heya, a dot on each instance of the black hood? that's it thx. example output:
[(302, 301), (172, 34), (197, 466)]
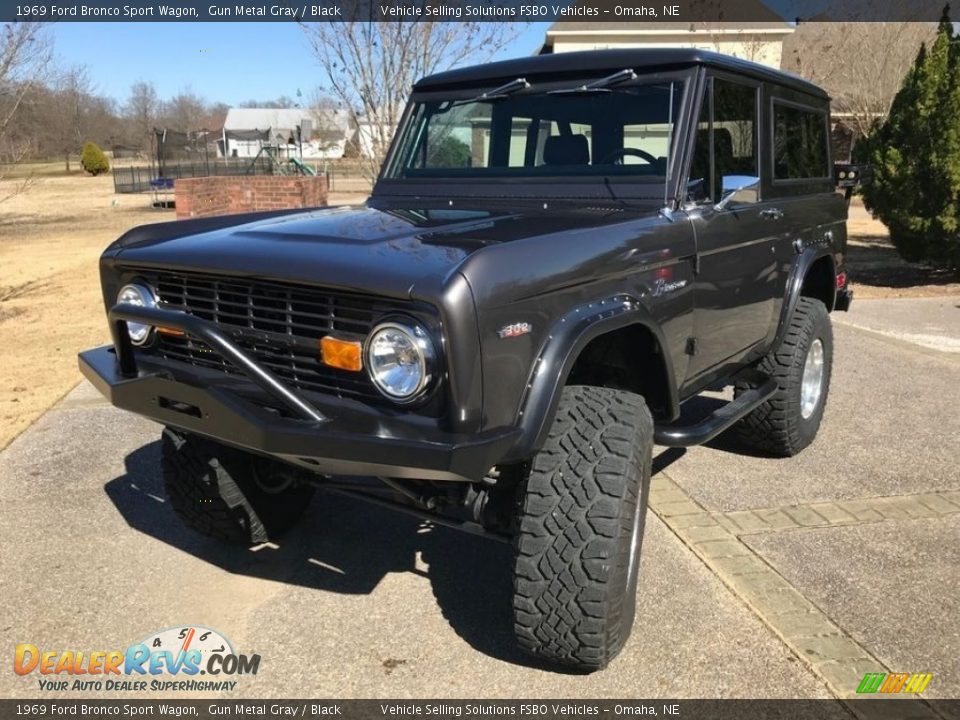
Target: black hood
[(381, 249)]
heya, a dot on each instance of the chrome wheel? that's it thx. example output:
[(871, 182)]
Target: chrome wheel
[(811, 388)]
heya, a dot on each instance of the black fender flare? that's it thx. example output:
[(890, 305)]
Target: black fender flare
[(798, 273), (566, 340)]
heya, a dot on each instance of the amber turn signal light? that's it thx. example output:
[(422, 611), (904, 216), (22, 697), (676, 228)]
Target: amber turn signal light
[(342, 354), (169, 331)]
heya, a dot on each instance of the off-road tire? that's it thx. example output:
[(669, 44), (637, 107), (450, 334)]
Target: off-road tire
[(213, 489), (777, 427), (581, 518)]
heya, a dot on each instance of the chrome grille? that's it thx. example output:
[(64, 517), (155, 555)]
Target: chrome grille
[(279, 324)]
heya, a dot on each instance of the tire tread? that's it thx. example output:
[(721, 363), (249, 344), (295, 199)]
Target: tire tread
[(580, 498)]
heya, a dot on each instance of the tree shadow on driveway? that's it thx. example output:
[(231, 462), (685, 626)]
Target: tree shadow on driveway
[(873, 260), (343, 545)]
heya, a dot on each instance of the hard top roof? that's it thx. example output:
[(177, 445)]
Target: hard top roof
[(590, 61)]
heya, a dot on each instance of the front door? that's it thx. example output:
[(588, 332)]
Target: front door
[(736, 231)]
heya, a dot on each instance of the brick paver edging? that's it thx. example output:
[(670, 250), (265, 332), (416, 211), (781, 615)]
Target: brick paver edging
[(834, 656), (841, 512)]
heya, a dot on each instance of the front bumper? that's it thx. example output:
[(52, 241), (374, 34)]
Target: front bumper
[(334, 440)]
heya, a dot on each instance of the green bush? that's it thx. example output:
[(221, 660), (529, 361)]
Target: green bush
[(92, 159), (915, 154)]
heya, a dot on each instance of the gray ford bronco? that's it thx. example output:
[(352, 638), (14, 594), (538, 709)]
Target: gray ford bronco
[(559, 253)]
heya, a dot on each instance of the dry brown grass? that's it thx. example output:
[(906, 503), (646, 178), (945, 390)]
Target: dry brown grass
[(50, 306)]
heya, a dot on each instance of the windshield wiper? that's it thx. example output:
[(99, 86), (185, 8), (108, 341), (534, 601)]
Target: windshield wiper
[(502, 91), (601, 85), (505, 90)]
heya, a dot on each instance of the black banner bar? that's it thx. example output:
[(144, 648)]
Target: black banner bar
[(645, 11), (885, 709)]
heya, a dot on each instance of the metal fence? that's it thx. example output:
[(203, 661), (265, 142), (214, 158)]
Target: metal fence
[(138, 179)]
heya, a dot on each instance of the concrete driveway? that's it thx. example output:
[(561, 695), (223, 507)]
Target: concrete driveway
[(760, 577)]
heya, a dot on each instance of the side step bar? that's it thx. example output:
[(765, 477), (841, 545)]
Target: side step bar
[(715, 423)]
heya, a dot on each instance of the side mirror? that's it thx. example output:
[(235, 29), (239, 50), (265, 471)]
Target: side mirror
[(733, 185)]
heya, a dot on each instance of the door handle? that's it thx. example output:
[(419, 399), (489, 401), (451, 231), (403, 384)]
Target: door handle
[(771, 213)]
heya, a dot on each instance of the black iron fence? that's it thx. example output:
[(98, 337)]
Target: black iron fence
[(143, 178)]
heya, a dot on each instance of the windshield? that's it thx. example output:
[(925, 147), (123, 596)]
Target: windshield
[(625, 131)]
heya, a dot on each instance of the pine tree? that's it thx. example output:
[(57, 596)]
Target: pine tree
[(915, 154), (92, 159)]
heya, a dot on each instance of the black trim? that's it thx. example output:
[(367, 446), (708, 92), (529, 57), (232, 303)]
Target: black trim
[(715, 423), (798, 273), (569, 336)]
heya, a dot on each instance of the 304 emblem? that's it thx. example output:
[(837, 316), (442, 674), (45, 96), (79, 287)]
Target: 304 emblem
[(515, 330)]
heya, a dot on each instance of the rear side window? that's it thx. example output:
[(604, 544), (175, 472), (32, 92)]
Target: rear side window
[(799, 143)]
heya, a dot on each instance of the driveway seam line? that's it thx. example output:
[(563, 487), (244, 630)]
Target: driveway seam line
[(952, 358)]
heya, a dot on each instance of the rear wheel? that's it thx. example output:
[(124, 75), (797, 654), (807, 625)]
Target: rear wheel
[(581, 525), (229, 494), (788, 421)]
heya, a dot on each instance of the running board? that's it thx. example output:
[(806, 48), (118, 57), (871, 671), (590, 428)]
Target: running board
[(715, 423)]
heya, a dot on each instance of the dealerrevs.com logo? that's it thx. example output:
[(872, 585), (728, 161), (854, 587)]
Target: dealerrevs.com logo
[(169, 660)]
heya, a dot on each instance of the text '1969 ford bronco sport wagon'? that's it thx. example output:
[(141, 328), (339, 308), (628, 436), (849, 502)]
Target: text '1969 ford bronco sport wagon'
[(560, 251)]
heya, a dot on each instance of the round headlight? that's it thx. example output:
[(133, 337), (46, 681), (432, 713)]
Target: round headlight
[(141, 297), (400, 359)]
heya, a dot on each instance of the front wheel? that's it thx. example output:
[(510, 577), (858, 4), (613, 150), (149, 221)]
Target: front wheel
[(581, 522), (789, 420), (229, 494)]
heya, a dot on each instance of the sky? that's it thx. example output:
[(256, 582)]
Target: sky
[(221, 62)]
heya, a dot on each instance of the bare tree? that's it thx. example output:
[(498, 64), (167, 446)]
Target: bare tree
[(25, 52), (862, 65), (738, 39), (215, 116), (331, 121), (371, 67), (282, 102), (186, 111), (143, 110), (71, 97)]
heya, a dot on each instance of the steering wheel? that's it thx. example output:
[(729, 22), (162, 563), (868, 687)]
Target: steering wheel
[(613, 157)]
